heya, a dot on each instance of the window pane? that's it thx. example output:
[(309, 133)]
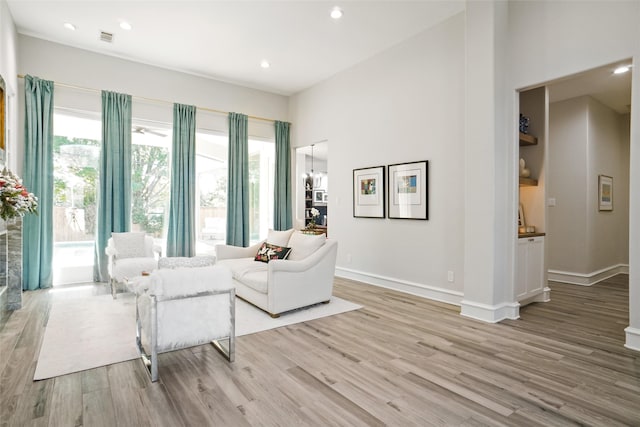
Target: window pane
[(76, 155), (261, 182), (150, 183), (211, 188)]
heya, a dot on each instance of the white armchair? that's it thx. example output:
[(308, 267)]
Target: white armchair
[(184, 307), (129, 255)]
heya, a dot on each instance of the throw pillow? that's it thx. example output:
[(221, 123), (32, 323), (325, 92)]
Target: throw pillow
[(303, 245), (129, 245), (280, 238), (267, 252)]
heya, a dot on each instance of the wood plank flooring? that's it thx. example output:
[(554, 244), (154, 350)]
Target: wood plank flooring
[(399, 361)]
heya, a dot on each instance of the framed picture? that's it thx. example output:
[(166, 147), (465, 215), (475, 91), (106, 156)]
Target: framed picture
[(408, 192), (325, 197), (318, 197), (368, 192), (605, 193)]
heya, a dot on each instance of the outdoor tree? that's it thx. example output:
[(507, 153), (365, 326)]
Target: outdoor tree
[(149, 187)]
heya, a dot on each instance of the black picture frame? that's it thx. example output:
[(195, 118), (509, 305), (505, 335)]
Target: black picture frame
[(408, 190), (369, 192)]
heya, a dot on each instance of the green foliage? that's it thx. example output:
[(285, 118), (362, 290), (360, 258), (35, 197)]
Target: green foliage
[(149, 187)]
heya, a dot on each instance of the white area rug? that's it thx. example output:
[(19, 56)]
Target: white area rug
[(89, 332)]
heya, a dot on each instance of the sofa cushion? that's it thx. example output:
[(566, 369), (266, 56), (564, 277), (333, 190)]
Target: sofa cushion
[(129, 245), (303, 245), (246, 270), (279, 238), (267, 252)]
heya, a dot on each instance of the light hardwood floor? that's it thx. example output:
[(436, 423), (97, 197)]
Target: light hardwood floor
[(399, 361)]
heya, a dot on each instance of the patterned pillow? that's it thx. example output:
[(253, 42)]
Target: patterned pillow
[(267, 252)]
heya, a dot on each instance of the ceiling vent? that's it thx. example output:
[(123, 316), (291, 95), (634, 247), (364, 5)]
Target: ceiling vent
[(106, 37)]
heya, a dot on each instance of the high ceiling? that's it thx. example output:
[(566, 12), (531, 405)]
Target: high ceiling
[(227, 40)]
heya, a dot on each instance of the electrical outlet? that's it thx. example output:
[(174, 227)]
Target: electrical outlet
[(450, 276), (348, 258)]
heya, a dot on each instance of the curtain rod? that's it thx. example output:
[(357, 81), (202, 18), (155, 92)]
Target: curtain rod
[(212, 110)]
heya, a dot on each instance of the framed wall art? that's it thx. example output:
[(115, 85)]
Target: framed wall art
[(605, 193), (368, 192), (408, 190)]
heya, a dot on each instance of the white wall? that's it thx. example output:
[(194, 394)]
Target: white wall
[(567, 223), (608, 154), (587, 139), (406, 104), (550, 40)]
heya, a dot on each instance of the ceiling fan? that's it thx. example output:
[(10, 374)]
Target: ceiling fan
[(144, 130)]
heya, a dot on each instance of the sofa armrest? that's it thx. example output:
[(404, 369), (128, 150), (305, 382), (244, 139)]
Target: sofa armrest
[(230, 252), (285, 265)]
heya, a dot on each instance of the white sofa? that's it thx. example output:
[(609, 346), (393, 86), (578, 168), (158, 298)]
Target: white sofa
[(281, 285)]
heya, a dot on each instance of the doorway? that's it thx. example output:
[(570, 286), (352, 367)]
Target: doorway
[(312, 186)]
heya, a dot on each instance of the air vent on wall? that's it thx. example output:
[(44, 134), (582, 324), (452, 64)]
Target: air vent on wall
[(106, 37)]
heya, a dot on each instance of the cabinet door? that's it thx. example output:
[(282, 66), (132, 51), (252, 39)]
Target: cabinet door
[(535, 265), (521, 269)]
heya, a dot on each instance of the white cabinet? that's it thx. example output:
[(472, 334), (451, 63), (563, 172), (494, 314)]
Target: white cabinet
[(530, 268)]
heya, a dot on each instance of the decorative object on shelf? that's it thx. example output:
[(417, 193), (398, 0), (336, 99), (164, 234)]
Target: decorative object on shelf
[(368, 192), (408, 190), (312, 222), (524, 123), (605, 193), (524, 171), (15, 200), (521, 222)]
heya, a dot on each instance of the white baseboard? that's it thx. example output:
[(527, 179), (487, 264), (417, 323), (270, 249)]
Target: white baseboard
[(633, 338), (589, 278), (418, 289), (490, 313)]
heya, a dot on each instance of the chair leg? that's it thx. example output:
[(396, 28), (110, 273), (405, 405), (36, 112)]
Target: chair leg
[(230, 351), (113, 284)]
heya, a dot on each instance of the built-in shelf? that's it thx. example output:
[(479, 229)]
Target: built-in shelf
[(526, 139), (528, 182)]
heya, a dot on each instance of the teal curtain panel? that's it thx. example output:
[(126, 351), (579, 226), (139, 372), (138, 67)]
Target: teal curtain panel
[(282, 215), (114, 190), (182, 206), (238, 181), (37, 234)]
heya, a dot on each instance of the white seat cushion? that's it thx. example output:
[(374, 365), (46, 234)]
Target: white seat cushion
[(248, 271), (133, 267)]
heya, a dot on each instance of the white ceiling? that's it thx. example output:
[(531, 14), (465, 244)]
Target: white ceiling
[(227, 40), (613, 90)]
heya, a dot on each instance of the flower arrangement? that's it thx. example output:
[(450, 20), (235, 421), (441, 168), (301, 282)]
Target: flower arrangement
[(15, 200), (312, 222)]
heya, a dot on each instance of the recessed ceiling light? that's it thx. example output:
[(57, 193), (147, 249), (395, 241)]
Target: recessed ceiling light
[(125, 25), (69, 26), (265, 64), (336, 12), (621, 70)]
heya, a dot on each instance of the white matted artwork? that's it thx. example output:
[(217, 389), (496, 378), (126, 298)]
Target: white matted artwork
[(605, 193), (368, 192), (408, 190)]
